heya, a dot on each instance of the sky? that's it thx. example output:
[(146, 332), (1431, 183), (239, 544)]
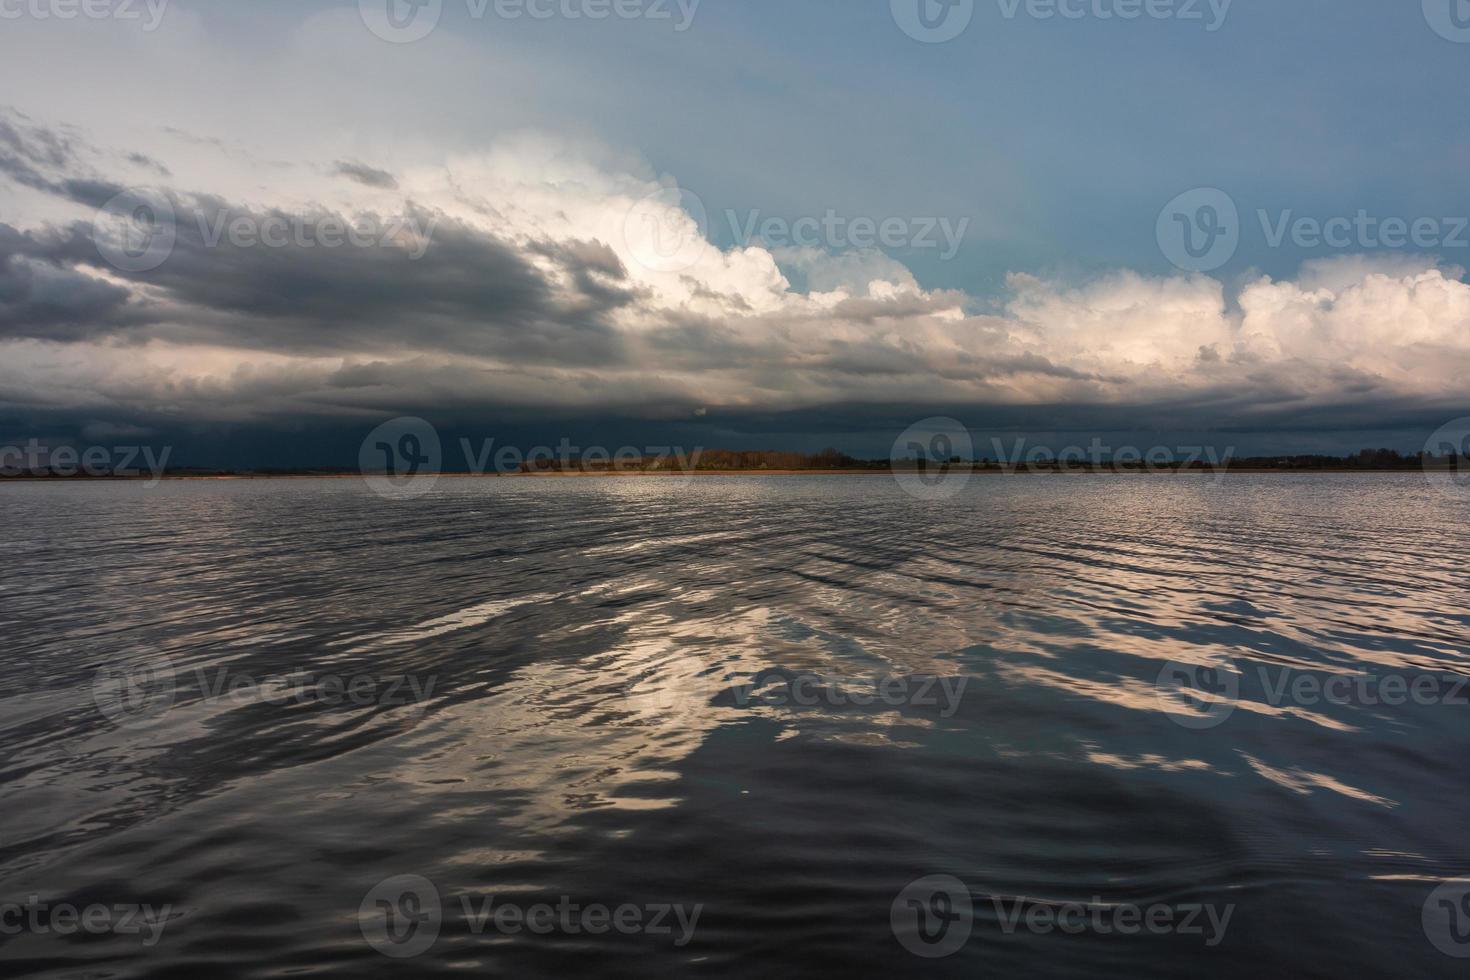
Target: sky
[(749, 224)]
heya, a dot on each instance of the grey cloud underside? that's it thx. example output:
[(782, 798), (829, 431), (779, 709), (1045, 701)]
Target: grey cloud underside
[(691, 342), (468, 292), (365, 175), (41, 297)]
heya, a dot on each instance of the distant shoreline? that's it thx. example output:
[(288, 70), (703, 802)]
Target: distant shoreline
[(676, 474)]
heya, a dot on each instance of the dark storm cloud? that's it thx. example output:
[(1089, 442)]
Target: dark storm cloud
[(1339, 424), (363, 174), (314, 282), (42, 298), (596, 272), (1036, 364), (298, 283)]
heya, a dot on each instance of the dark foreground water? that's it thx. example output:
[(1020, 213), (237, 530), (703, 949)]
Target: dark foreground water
[(736, 728)]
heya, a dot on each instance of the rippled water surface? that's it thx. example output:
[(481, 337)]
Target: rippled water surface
[(588, 706)]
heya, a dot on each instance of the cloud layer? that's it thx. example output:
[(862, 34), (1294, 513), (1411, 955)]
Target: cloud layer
[(542, 273)]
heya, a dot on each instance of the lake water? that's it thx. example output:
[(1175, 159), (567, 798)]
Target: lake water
[(796, 726)]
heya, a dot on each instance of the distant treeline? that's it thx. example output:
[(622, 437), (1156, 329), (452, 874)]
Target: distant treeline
[(831, 460), (726, 460), (747, 460)]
